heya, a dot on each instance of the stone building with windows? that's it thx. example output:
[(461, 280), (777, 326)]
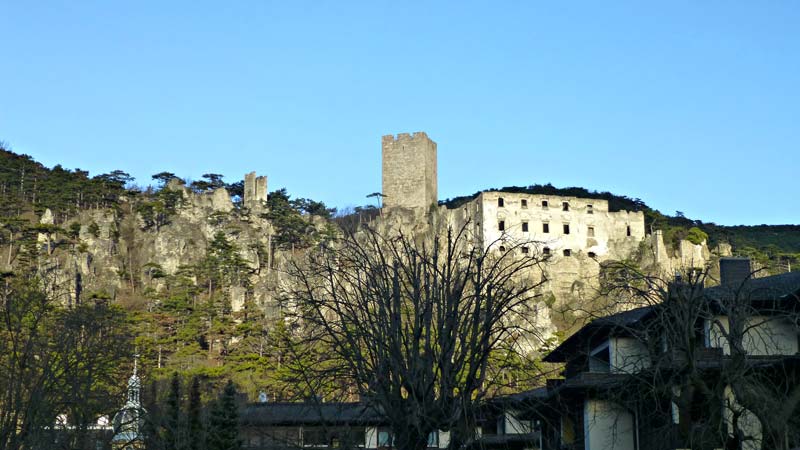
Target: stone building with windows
[(576, 234), (556, 225)]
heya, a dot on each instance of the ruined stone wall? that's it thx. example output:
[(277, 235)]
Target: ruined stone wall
[(592, 229), (595, 235), (255, 190), (409, 171)]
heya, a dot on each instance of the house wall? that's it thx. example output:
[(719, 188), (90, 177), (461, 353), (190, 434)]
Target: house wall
[(444, 439), (764, 335), (747, 422), (628, 355), (371, 437), (770, 336), (717, 328), (607, 426), (513, 425)]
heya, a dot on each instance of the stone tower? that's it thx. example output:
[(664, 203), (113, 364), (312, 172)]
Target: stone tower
[(255, 190), (409, 171)]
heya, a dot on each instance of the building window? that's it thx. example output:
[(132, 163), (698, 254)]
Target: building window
[(502, 248), (544, 204), (524, 203), (501, 225), (500, 202), (433, 439), (525, 250), (524, 227), (600, 360), (567, 252), (566, 228), (565, 206), (384, 439), (590, 231), (545, 227), (546, 251), (589, 209), (628, 230)]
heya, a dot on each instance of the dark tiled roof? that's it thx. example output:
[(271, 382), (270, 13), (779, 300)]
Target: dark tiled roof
[(773, 288), (625, 319), (261, 414)]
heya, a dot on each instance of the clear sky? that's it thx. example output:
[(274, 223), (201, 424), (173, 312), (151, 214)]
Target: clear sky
[(688, 105)]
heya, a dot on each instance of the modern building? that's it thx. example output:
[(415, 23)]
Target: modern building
[(319, 425), (712, 368)]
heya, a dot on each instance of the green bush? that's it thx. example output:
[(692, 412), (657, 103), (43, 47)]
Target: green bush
[(696, 236)]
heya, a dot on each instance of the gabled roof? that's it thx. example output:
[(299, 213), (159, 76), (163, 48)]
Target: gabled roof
[(309, 413), (599, 327)]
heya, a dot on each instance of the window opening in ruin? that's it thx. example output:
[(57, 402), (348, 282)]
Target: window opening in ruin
[(524, 203), (567, 252), (589, 209), (590, 231), (525, 250), (502, 248), (565, 206), (501, 225), (500, 202), (545, 227), (546, 251), (524, 227), (544, 204), (628, 230), (592, 254), (566, 228)]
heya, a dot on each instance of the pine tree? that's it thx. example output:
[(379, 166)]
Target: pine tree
[(172, 426), (224, 421), (197, 440)]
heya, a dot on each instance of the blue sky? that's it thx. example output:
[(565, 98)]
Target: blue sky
[(690, 106)]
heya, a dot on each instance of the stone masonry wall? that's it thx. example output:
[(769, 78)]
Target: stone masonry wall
[(255, 190), (409, 171)]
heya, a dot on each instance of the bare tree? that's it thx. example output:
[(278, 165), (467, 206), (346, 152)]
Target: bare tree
[(720, 365), (413, 324)]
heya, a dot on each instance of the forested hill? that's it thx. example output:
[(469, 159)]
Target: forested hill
[(28, 186), (778, 243)]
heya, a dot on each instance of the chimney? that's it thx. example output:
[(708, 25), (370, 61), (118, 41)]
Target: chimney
[(734, 271)]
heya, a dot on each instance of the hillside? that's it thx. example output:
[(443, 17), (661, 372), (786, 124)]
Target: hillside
[(194, 271)]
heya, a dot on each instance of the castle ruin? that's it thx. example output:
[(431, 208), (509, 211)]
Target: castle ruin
[(577, 235), (255, 190), (409, 171)]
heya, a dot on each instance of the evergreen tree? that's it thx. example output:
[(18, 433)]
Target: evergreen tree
[(224, 421), (173, 439), (197, 439)]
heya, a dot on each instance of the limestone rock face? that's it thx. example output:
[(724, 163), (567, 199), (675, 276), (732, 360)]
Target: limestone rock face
[(113, 243)]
